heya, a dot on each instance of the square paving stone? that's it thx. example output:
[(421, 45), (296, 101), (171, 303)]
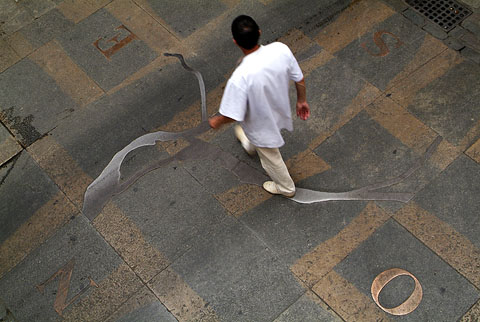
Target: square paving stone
[(379, 61), (446, 294), (106, 50), (238, 275), (187, 16), (171, 209), (96, 132), (449, 105), (308, 308), (292, 230), (31, 103), (454, 197), (24, 188), (47, 27), (93, 258), (361, 153)]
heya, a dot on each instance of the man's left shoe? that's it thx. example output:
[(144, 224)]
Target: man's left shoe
[(271, 187)]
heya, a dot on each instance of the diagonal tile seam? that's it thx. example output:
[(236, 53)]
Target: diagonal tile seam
[(313, 266), (73, 10), (472, 314), (155, 17), (457, 251)]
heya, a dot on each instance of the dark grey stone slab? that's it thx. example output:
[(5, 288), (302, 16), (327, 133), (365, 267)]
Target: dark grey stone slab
[(38, 7), (361, 153), (212, 176), (446, 294), (142, 307), (449, 105), (24, 188), (238, 275), (308, 16), (471, 54), (96, 132), (414, 17), (453, 197), (77, 240), (31, 103), (398, 5), (292, 230), (186, 17), (47, 27), (435, 31), (454, 43), (171, 209), (308, 310), (107, 72), (379, 66), (13, 16), (149, 313)]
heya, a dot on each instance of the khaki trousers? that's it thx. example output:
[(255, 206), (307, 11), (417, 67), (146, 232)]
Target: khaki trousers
[(273, 164)]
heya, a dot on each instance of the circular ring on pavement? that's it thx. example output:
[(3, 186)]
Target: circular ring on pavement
[(406, 307)]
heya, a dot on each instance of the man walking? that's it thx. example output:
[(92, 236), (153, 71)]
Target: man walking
[(257, 96)]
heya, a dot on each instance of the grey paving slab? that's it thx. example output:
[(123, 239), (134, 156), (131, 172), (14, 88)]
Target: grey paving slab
[(38, 7), (212, 176), (380, 65), (49, 26), (142, 307), (31, 103), (24, 188), (449, 105), (238, 275), (308, 16), (306, 309), (93, 258), (453, 197), (126, 53), (446, 294), (96, 132), (361, 153), (171, 209), (187, 16), (292, 230), (13, 16)]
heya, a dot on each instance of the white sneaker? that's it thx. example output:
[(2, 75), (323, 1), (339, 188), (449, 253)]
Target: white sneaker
[(247, 146), (271, 187)]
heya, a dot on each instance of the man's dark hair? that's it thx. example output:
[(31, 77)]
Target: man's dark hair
[(245, 31)]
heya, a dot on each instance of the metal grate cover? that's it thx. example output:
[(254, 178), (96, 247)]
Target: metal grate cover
[(444, 13)]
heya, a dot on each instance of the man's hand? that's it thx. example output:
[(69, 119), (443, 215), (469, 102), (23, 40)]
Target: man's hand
[(218, 120), (303, 110)]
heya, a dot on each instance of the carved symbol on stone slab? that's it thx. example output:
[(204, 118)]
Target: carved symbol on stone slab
[(108, 49), (406, 307), (65, 274), (378, 40)]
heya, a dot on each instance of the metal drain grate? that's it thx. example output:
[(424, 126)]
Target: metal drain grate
[(445, 13)]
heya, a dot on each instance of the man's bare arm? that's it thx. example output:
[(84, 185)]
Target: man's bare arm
[(218, 120), (303, 109)]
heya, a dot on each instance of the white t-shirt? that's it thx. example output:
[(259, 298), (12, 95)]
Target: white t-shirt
[(257, 94)]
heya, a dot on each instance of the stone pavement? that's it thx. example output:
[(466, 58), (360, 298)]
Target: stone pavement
[(190, 241)]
